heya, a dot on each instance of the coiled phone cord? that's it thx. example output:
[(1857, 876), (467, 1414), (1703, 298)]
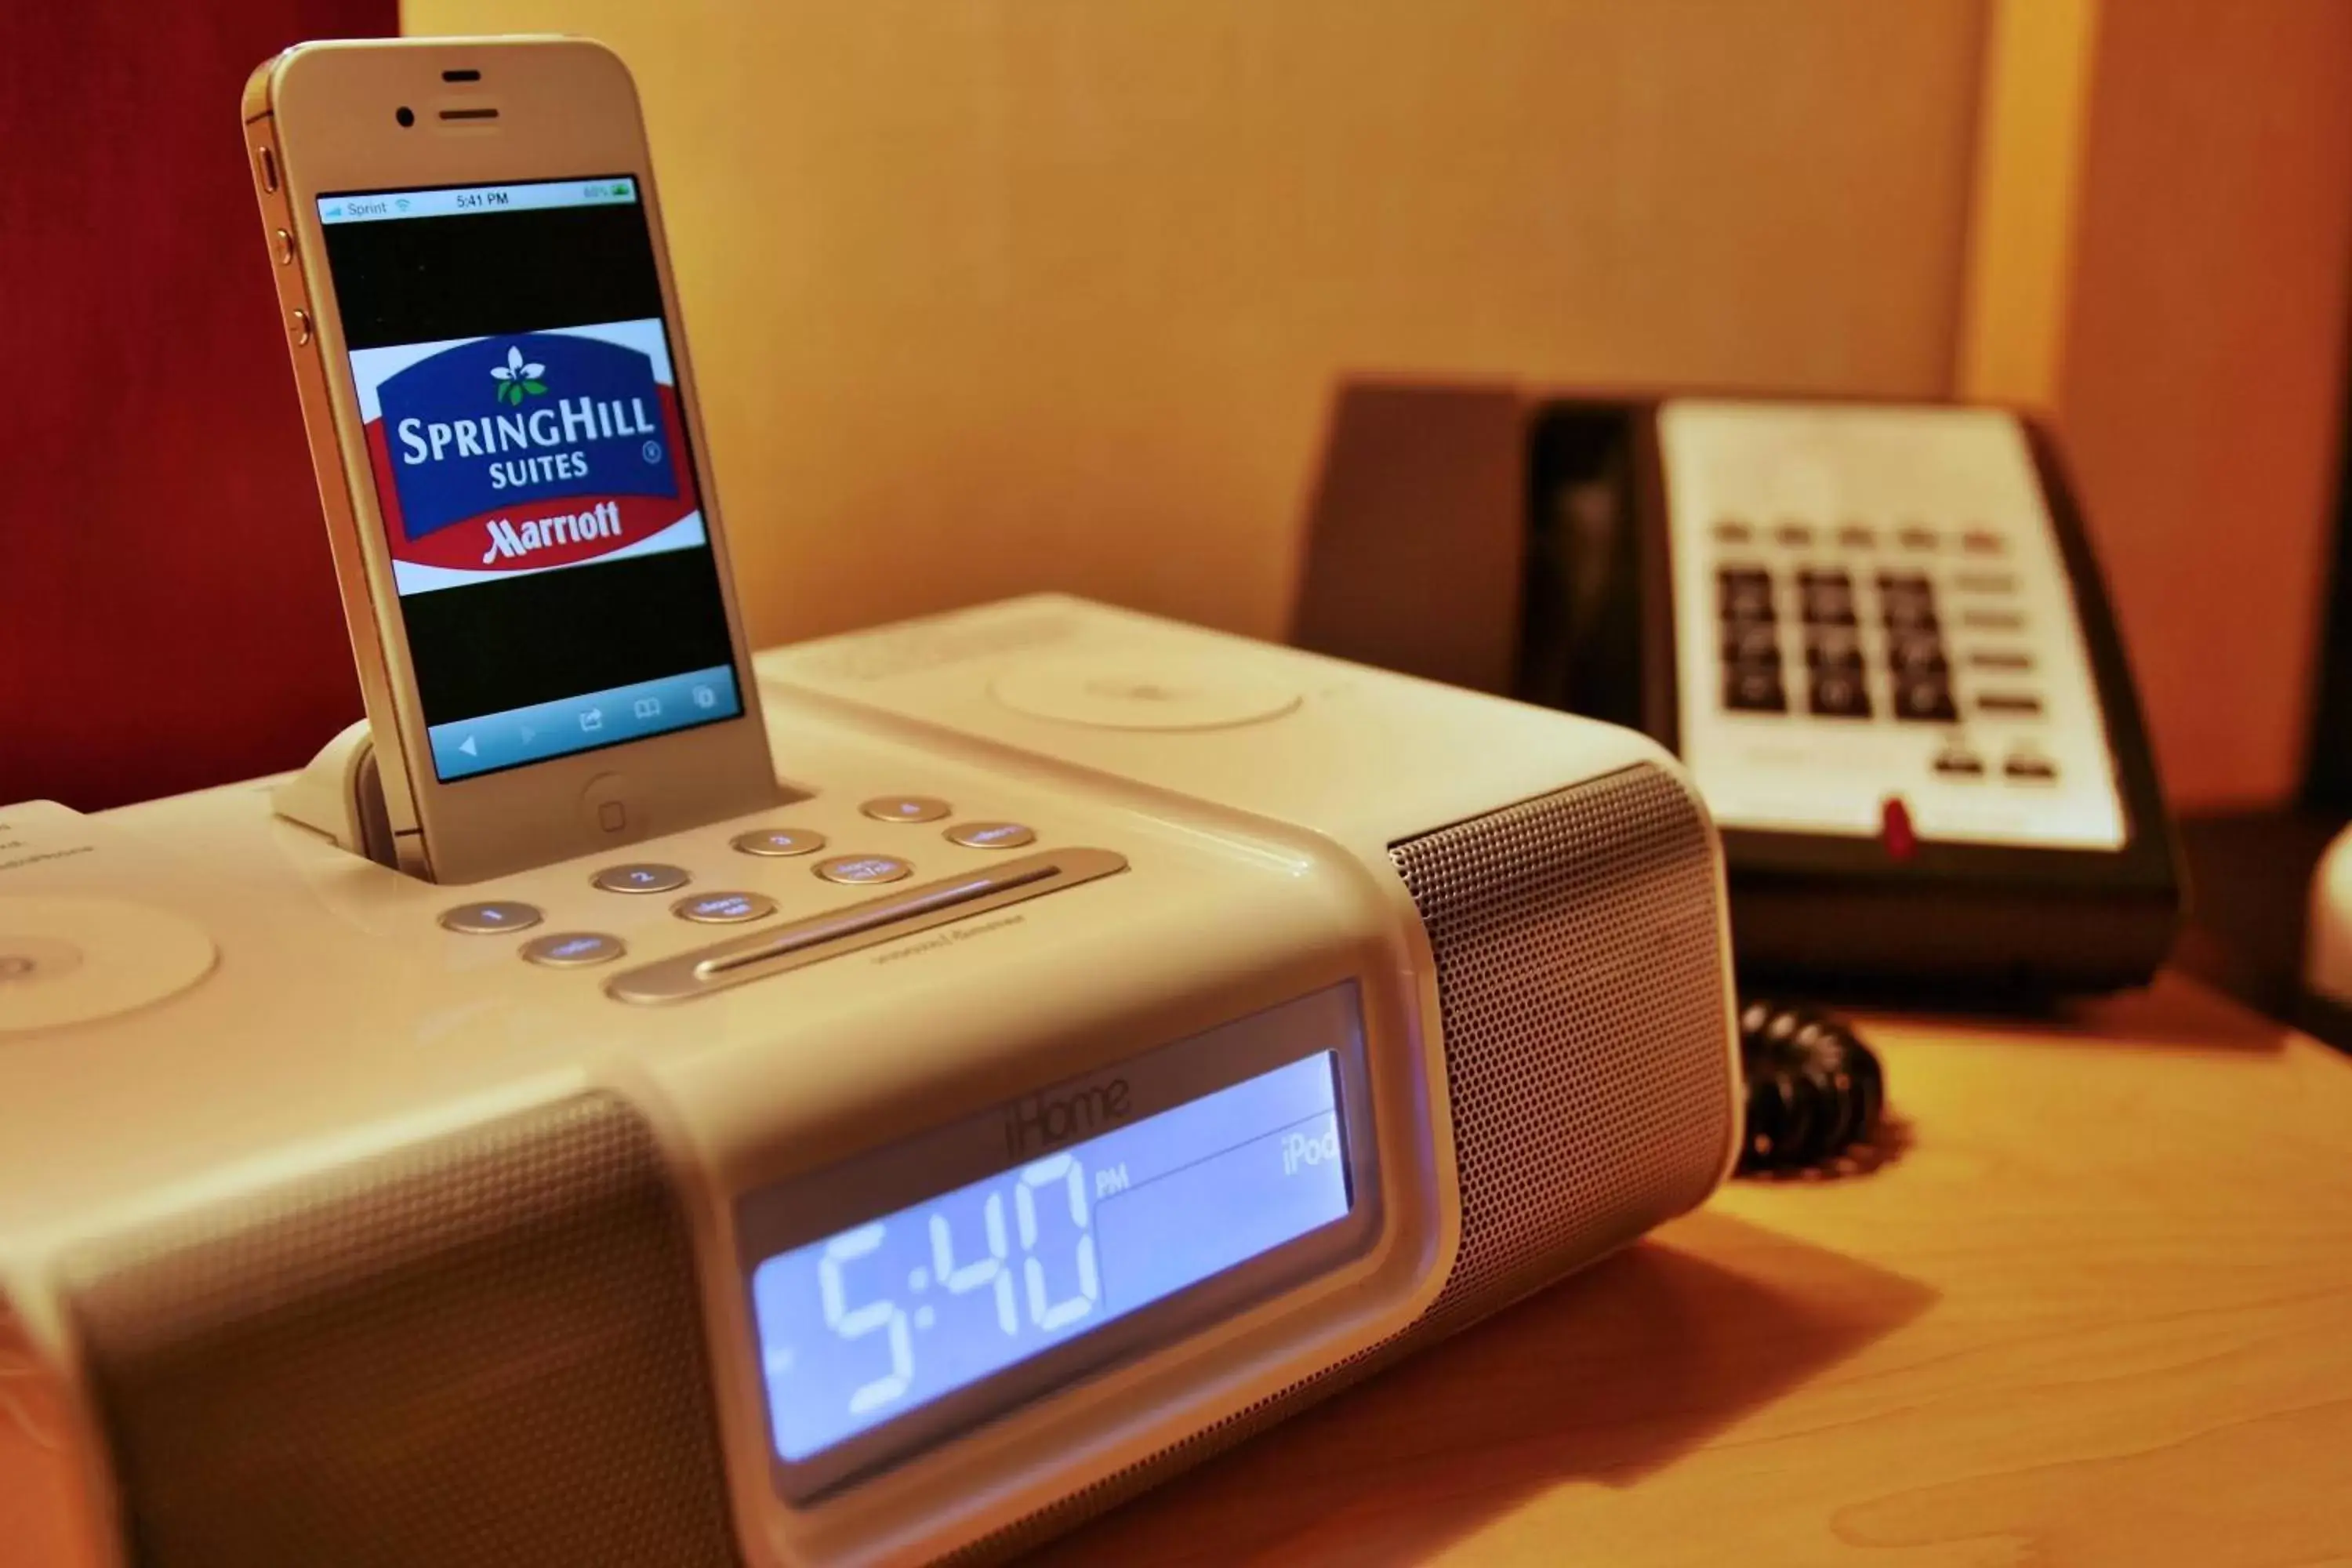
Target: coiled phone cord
[(1815, 1090)]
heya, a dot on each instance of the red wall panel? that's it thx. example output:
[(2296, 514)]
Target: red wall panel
[(168, 616)]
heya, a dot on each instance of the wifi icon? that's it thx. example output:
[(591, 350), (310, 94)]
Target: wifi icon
[(402, 203)]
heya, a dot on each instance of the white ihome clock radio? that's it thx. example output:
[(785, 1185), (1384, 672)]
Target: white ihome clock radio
[(1126, 1035)]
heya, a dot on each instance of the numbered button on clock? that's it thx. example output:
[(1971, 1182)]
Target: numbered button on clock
[(642, 877), (905, 808), (857, 870), (778, 841), (724, 909), (573, 950), (992, 834), (494, 918)]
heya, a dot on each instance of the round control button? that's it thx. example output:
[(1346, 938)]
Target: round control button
[(573, 949), (992, 834), (905, 808), (1189, 693), (69, 960), (723, 909), (778, 841), (851, 870), (642, 877), (490, 919)]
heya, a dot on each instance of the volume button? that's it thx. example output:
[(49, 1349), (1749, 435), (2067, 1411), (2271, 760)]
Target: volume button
[(298, 324)]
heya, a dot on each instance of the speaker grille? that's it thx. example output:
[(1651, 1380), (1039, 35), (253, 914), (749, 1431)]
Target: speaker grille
[(1581, 983), (1581, 978), (481, 1350)]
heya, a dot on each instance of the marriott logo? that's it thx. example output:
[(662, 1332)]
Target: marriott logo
[(508, 541), (1048, 1121)]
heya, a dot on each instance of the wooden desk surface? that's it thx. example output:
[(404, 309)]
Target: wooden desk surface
[(2099, 1312)]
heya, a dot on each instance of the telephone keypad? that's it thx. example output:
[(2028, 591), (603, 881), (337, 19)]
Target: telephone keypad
[(1917, 654), (1752, 641), (1892, 627), (1827, 597), (1837, 694), (1746, 594), (1873, 637), (1833, 647), (1924, 700), (1754, 688)]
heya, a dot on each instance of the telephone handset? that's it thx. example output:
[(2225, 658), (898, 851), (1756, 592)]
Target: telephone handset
[(1874, 632)]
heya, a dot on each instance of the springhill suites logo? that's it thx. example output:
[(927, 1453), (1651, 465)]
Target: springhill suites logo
[(1047, 1120), (569, 416)]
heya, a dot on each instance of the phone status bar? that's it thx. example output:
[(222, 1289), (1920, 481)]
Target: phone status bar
[(451, 201)]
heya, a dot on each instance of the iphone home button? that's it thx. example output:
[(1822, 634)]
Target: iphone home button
[(612, 809)]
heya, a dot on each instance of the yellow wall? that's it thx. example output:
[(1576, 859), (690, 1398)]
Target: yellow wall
[(2203, 362), (2038, 61), (993, 295)]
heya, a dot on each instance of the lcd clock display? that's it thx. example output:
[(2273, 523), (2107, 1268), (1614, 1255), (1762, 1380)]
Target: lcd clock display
[(882, 1319)]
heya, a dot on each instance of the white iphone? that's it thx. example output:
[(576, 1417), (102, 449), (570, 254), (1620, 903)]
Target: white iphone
[(469, 260)]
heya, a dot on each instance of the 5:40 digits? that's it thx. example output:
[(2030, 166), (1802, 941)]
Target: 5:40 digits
[(1058, 1182)]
